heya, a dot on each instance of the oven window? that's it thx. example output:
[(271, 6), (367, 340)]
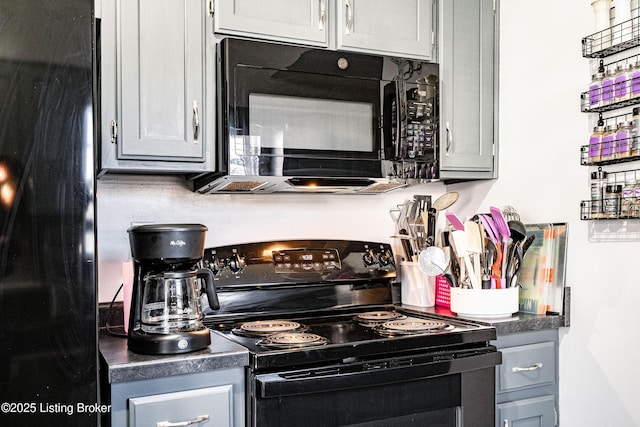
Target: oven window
[(287, 123)]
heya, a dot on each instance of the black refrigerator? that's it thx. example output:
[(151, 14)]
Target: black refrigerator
[(48, 327)]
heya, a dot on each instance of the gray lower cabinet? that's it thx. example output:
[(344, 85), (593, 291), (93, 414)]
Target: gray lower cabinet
[(386, 27), (153, 83), (468, 84), (214, 398), (527, 380)]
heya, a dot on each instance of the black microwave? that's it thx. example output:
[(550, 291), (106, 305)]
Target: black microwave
[(292, 118)]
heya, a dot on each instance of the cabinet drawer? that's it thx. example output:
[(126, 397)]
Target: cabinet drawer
[(527, 366), (203, 407), (536, 412)]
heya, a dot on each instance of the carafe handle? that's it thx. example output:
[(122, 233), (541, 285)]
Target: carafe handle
[(207, 275)]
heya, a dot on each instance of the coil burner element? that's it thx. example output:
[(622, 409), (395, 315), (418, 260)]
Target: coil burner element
[(265, 328), (375, 318), (411, 325), (293, 340)]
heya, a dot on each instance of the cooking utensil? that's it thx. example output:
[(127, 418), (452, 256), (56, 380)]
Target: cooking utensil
[(504, 231), (445, 201), (455, 221), (514, 263), (454, 266), (518, 234), (474, 246), (510, 213), (500, 222), (406, 244), (433, 261), (518, 230), (527, 243), (489, 256), (460, 242), (441, 203), (489, 227)]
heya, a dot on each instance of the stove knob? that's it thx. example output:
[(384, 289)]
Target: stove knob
[(235, 263), (369, 258), (385, 258), (213, 265)]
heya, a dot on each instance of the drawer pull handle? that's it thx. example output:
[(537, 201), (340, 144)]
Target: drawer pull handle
[(196, 420), (530, 368)]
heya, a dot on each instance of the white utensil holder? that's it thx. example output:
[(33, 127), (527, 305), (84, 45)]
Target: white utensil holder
[(489, 303), (416, 288)]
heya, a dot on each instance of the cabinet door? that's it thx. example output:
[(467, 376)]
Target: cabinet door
[(467, 79), (211, 406), (536, 412), (302, 21), (160, 56), (389, 27)]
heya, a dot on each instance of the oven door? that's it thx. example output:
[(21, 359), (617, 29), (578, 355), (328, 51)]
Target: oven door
[(447, 389), (293, 111)]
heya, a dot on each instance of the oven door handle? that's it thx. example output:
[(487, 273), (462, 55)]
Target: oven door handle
[(369, 374)]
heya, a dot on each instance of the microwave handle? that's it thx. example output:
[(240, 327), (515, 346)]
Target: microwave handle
[(399, 96)]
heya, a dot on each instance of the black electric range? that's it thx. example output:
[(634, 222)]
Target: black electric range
[(318, 316)]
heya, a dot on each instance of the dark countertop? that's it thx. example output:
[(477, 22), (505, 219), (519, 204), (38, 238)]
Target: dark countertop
[(121, 365), (516, 323)]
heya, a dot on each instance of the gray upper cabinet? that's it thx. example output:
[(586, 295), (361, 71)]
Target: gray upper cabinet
[(468, 58), (153, 85), (296, 21), (389, 27)]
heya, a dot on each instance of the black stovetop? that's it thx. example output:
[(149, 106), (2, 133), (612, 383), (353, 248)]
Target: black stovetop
[(321, 284), (349, 340)]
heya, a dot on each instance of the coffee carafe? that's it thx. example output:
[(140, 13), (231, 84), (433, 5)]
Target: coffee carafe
[(166, 315)]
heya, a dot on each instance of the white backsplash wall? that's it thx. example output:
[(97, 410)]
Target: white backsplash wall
[(124, 200)]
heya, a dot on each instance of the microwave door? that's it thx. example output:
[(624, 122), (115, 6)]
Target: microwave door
[(303, 123)]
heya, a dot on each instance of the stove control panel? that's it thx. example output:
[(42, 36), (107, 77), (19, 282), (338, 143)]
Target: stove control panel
[(303, 260), (299, 262)]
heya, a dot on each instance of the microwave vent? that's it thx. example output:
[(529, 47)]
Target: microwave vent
[(243, 186), (382, 187)]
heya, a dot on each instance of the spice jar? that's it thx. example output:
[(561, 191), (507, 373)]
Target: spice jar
[(612, 200), (598, 184), (635, 132), (628, 199), (595, 88), (635, 80), (623, 140), (621, 88), (595, 143), (608, 141), (607, 93)]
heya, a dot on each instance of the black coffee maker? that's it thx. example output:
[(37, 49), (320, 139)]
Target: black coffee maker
[(166, 315)]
